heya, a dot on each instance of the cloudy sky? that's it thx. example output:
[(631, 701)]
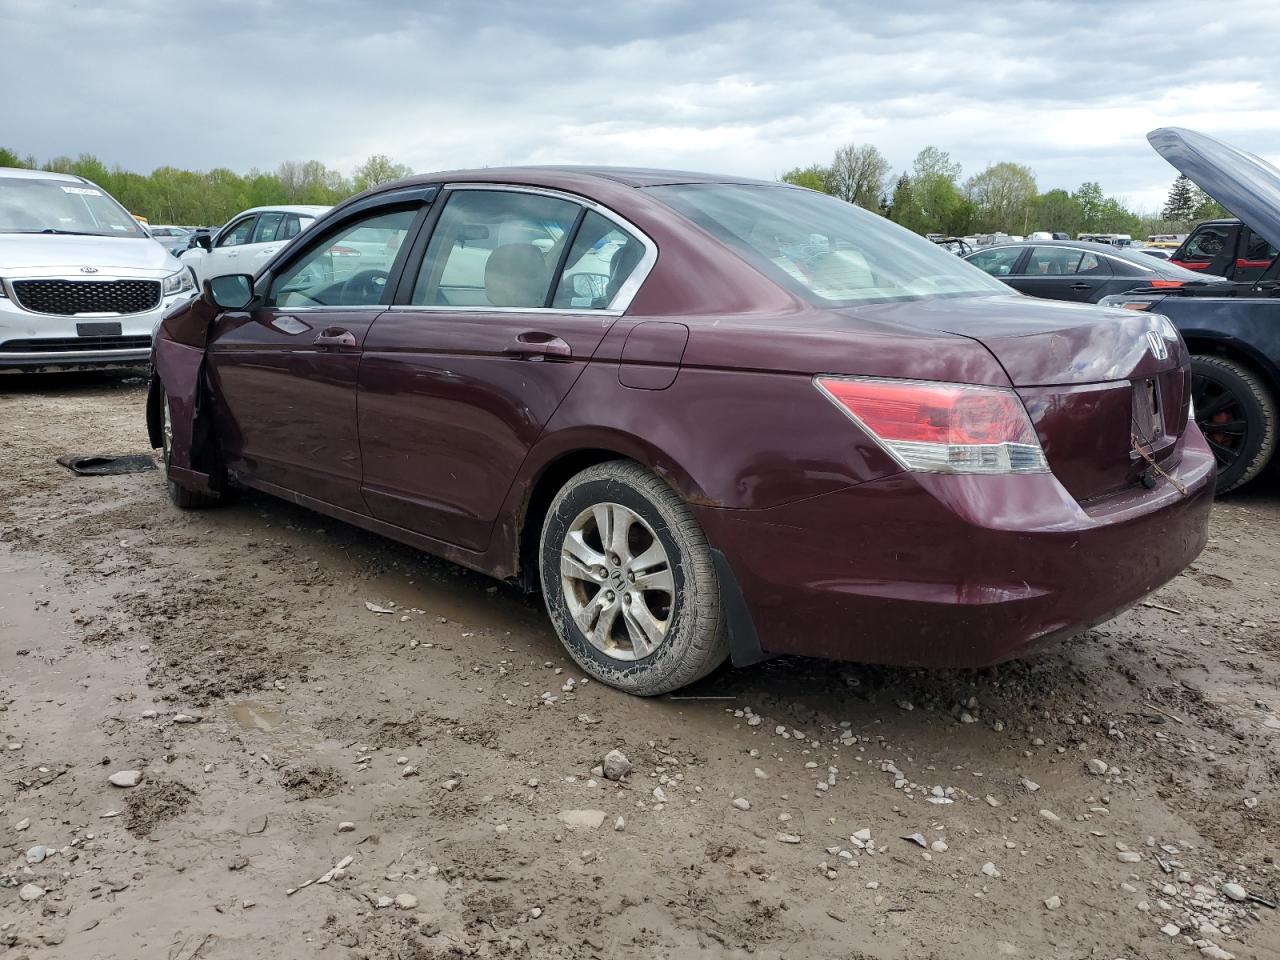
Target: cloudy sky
[(1068, 87)]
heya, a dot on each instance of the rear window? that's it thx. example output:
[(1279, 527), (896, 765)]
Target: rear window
[(828, 251)]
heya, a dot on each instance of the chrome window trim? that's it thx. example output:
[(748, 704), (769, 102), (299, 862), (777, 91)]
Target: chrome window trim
[(626, 293), (555, 311)]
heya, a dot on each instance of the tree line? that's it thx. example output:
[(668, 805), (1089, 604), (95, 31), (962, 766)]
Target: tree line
[(933, 197), (212, 197)]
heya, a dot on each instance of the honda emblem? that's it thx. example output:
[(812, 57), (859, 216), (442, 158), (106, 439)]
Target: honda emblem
[(1159, 348)]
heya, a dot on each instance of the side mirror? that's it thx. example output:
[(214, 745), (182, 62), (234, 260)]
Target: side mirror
[(202, 240), (231, 292)]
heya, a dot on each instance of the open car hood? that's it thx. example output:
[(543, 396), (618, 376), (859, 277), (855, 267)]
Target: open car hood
[(1246, 185)]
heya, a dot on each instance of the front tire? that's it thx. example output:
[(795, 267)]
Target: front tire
[(629, 582), (1237, 415), (180, 497)]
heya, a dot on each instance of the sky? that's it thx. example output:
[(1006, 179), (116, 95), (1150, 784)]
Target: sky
[(1068, 87)]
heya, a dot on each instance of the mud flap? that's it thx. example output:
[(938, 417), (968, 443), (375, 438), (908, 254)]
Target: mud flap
[(744, 643)]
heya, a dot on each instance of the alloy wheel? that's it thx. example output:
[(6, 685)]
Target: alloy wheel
[(617, 581), (1221, 418)]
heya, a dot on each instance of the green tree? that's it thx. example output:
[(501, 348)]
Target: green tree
[(1003, 197), (379, 168), (814, 177), (1181, 201), (858, 174), (1204, 207), (901, 203), (1090, 199), (936, 204), (1059, 212), (10, 159)]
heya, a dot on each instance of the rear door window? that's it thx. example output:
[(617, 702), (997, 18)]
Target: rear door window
[(495, 248), (268, 228), (1052, 262), (601, 259)]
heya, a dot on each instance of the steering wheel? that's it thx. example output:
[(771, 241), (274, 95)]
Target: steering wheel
[(365, 287)]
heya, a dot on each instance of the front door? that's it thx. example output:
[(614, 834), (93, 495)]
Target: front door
[(286, 372), (1211, 248), (513, 294), (1051, 272)]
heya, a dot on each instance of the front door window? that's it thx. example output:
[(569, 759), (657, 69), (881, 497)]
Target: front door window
[(346, 269)]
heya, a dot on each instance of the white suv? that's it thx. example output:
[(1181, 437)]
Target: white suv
[(82, 285), (248, 240)]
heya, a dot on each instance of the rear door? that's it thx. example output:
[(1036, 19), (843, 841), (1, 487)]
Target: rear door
[(285, 373), (1253, 256), (1050, 272), (496, 317)]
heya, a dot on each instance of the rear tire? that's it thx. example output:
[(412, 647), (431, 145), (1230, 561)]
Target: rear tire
[(629, 582), (180, 497), (1237, 414)]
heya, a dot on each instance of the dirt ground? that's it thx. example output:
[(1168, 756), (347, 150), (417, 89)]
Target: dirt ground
[(443, 755)]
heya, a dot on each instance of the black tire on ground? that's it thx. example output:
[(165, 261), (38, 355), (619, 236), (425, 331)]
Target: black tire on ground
[(1237, 414), (181, 497), (636, 533)]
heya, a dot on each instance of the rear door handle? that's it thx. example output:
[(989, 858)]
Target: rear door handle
[(536, 345), (1080, 286), (335, 338)]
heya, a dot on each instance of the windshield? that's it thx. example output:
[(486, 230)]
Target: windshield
[(828, 251), (62, 206)]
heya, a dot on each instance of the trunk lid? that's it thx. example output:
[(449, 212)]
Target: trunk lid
[(1091, 379), (1246, 185)]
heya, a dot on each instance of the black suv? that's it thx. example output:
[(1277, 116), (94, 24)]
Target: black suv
[(1226, 248), (1232, 328)]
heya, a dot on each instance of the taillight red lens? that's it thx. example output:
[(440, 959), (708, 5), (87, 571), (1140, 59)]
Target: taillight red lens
[(933, 412), (942, 427)]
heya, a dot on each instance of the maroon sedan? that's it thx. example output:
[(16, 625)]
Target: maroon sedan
[(707, 417)]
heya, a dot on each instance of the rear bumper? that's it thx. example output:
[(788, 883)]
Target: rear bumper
[(958, 571)]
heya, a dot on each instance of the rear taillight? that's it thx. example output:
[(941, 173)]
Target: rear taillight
[(942, 427)]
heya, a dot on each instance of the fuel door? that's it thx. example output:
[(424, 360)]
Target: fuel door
[(651, 355)]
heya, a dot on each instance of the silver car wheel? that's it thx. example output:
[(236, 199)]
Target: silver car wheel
[(617, 581)]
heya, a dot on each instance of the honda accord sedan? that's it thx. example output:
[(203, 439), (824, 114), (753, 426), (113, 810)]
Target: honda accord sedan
[(708, 418)]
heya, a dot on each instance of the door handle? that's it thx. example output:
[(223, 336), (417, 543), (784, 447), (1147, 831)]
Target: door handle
[(535, 345), (1080, 286), (335, 337)]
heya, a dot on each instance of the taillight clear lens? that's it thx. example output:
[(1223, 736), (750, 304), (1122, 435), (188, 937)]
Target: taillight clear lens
[(942, 427)]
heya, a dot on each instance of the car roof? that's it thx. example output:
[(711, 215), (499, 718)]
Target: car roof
[(22, 173), (573, 175), (1075, 244), (307, 208)]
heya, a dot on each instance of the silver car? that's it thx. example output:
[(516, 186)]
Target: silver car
[(82, 285)]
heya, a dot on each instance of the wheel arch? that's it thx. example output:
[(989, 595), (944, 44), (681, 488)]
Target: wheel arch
[(1231, 348), (558, 458)]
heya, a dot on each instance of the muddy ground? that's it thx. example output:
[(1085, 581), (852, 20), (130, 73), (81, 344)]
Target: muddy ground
[(444, 753)]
